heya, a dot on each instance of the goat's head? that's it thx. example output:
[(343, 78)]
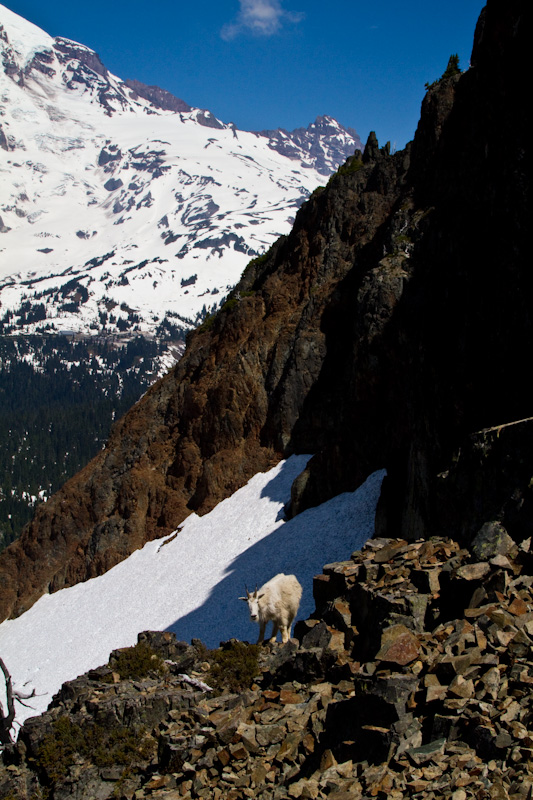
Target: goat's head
[(252, 598)]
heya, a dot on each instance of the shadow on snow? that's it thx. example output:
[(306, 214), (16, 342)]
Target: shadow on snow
[(301, 546)]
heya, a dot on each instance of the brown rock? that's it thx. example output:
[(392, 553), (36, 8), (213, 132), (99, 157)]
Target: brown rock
[(390, 551), (270, 734), (462, 687), (239, 752), (518, 607), (436, 693), (327, 761), (259, 773), (289, 747), (287, 696), (398, 645), (473, 572)]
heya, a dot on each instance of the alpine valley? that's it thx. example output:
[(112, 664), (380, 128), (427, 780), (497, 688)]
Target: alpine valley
[(126, 216)]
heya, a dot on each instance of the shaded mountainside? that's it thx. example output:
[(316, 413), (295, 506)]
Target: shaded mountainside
[(385, 330)]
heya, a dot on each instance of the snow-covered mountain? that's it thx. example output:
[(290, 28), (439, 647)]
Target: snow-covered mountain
[(121, 205), (188, 582)]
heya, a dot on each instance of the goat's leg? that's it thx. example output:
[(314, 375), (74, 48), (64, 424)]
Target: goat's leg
[(284, 634), (289, 626), (261, 632), (275, 629)]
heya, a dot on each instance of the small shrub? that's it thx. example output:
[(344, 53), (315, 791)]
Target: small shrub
[(137, 662), (207, 324), (56, 753), (229, 304), (258, 261), (316, 192), (351, 165), (103, 747), (452, 69), (234, 667)]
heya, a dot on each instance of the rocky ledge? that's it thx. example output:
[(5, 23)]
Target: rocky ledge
[(413, 679)]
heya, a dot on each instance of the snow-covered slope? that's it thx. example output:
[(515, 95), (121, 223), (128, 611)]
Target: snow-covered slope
[(120, 204), (188, 583)]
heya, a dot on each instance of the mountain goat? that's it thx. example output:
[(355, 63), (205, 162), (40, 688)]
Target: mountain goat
[(277, 602)]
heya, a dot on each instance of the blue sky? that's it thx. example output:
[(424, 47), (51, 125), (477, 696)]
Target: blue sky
[(276, 63)]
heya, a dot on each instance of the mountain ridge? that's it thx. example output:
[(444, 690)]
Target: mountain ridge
[(381, 332), (146, 202)]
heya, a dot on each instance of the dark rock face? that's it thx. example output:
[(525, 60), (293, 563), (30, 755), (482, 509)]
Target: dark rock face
[(68, 50), (390, 325), (208, 120), (160, 98), (3, 140), (112, 184), (447, 361)]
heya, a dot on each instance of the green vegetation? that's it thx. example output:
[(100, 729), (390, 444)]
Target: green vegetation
[(137, 662), (102, 746), (451, 70), (316, 192), (58, 401), (258, 261), (207, 324), (351, 165), (234, 667), (229, 304)]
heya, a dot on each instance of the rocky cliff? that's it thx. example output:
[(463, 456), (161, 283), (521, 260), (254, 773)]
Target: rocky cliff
[(388, 328), (412, 679)]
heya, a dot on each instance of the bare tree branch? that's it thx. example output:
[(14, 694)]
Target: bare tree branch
[(6, 721)]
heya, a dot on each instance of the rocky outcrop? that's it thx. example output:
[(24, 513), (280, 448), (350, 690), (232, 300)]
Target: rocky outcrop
[(412, 679), (387, 328), (160, 98), (311, 140), (73, 51)]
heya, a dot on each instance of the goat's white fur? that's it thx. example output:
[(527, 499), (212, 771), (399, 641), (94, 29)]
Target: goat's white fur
[(276, 601)]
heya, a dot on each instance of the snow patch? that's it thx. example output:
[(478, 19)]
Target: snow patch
[(188, 583)]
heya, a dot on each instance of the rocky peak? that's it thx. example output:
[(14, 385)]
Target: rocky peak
[(323, 142)]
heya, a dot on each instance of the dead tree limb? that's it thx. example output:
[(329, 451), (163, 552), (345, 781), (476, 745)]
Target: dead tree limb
[(6, 721)]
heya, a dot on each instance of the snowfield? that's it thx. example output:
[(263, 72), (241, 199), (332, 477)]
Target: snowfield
[(187, 583)]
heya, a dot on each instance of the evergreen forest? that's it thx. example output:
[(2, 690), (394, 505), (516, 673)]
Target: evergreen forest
[(58, 399)]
